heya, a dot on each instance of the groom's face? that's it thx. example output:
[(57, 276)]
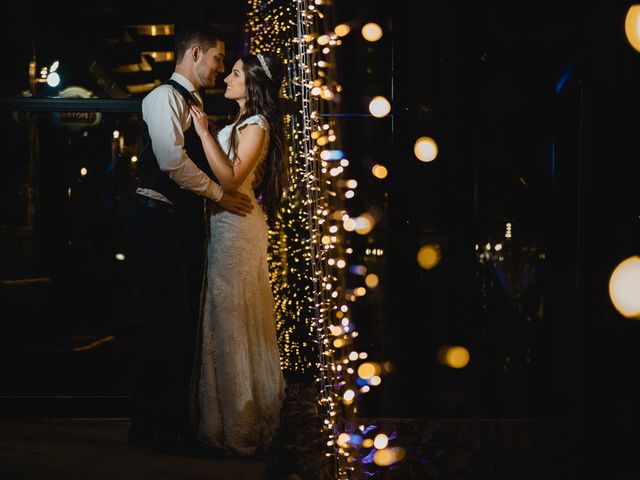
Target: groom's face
[(210, 64)]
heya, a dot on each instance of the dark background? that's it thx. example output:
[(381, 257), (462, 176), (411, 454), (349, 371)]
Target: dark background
[(535, 111)]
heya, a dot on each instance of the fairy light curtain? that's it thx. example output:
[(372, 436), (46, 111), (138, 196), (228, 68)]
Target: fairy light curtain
[(307, 254)]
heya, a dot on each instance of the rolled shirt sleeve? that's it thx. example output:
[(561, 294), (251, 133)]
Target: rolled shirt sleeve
[(167, 116)]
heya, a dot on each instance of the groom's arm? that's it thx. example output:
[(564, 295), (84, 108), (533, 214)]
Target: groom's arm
[(166, 115)]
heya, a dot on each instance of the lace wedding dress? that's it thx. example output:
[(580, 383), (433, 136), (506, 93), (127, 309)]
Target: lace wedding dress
[(241, 386)]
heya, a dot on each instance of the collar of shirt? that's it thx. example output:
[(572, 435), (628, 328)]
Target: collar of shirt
[(182, 80)]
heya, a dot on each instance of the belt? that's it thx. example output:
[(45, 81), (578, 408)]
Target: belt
[(153, 203)]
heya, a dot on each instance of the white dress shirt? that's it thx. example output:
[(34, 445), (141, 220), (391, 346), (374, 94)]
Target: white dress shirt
[(167, 116)]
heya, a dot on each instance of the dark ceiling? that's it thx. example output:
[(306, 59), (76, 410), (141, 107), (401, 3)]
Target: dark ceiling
[(106, 46)]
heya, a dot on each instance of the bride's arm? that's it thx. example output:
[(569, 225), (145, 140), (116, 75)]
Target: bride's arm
[(247, 152)]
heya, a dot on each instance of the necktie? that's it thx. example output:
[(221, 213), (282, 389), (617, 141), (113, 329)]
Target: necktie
[(198, 99)]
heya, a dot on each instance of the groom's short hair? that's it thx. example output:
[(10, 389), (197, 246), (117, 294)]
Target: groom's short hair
[(202, 33)]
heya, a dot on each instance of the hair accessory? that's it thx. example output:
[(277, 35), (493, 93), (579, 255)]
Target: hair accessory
[(264, 65)]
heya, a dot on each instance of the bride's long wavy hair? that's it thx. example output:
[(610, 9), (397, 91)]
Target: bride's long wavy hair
[(262, 99)]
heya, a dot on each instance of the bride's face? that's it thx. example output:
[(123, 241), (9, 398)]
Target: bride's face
[(236, 89)]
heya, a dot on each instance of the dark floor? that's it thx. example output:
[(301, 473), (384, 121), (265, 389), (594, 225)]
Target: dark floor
[(446, 449), (88, 448)]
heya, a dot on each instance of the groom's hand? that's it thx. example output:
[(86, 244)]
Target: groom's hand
[(236, 203)]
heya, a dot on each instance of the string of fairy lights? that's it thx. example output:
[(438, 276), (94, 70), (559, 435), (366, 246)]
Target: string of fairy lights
[(272, 27), (300, 287), (307, 252)]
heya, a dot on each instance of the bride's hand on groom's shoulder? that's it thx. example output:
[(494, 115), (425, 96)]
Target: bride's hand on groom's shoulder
[(200, 120)]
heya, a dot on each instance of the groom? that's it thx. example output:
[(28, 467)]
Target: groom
[(166, 227)]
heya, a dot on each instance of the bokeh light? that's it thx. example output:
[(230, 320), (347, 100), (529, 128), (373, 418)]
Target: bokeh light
[(379, 171), (379, 106), (372, 32), (372, 280), (53, 79), (429, 256), (632, 26), (454, 356), (624, 287), (323, 39), (342, 30), (425, 149), (381, 441), (364, 223), (368, 369)]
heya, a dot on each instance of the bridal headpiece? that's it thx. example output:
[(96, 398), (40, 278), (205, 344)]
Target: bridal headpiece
[(264, 65)]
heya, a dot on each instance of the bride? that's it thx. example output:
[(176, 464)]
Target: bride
[(240, 388)]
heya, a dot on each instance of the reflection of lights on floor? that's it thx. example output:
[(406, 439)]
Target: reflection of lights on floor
[(97, 343)]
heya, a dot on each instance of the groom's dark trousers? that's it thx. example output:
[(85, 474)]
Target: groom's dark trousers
[(169, 264)]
